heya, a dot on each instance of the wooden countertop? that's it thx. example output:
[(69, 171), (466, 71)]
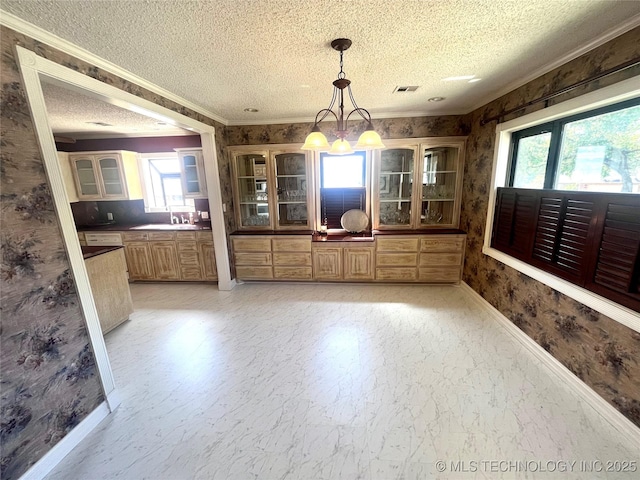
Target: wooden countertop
[(88, 252)]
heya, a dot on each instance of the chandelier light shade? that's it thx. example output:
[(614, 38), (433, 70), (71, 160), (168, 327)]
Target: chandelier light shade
[(316, 140)]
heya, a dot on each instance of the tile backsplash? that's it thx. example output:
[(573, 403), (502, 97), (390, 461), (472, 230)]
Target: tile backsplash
[(125, 212)]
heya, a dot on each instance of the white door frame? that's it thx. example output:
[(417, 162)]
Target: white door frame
[(33, 68)]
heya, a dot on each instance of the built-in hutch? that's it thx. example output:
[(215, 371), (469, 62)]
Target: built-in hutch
[(415, 207), (271, 188)]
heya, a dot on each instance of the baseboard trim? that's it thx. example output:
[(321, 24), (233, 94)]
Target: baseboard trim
[(618, 421), (54, 456)]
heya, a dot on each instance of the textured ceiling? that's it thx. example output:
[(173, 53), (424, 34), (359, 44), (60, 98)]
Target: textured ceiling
[(274, 55), (70, 114)]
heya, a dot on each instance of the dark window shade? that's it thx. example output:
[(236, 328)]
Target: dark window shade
[(618, 265), (336, 201), (590, 239)]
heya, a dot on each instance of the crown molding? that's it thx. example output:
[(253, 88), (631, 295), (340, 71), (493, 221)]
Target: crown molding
[(608, 35), (375, 117), (19, 25)]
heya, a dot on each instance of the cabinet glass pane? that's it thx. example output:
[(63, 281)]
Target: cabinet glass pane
[(191, 173), (111, 176), (439, 179), (291, 182), (87, 177), (396, 184), (252, 190)]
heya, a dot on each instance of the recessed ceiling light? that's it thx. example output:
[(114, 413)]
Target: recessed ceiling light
[(456, 79), (161, 123), (251, 110), (435, 99), (305, 86), (474, 80)]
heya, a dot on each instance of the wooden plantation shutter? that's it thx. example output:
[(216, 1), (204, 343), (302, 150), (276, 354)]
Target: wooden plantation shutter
[(336, 201), (618, 266), (590, 239)]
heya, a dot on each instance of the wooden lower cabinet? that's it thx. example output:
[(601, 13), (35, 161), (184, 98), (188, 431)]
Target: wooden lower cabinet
[(291, 258), (433, 258), (358, 263), (170, 256), (327, 263), (207, 259), (165, 260), (139, 261)]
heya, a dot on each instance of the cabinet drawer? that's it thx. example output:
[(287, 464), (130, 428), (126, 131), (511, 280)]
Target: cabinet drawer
[(396, 259), (439, 274), (185, 236), (187, 246), (253, 258), (452, 259), (188, 257), (162, 236), (251, 244), (441, 244), (206, 235), (397, 244), (254, 273), (292, 273), (403, 274), (135, 236), (291, 244), (190, 272), (293, 259)]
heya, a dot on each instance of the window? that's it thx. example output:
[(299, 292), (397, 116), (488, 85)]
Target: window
[(585, 244), (162, 181), (342, 186), (596, 151)]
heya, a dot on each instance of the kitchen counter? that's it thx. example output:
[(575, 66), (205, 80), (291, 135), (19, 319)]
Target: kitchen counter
[(88, 252), (163, 227), (343, 236)]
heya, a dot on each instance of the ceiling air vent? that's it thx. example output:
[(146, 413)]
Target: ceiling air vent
[(410, 88)]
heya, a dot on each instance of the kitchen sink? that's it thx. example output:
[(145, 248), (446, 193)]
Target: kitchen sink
[(165, 226)]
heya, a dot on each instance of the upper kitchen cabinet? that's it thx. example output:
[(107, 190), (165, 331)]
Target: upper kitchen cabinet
[(270, 188), (109, 175), (419, 183), (194, 184)]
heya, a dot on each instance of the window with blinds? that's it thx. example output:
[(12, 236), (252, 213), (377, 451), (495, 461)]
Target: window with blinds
[(590, 239), (342, 186)]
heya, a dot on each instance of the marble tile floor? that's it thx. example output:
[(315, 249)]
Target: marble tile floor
[(305, 381)]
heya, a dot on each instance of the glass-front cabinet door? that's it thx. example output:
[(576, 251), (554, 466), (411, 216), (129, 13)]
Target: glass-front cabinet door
[(86, 178), (194, 184), (419, 185), (252, 193), (396, 186), (439, 184), (271, 189), (112, 178), (291, 186)]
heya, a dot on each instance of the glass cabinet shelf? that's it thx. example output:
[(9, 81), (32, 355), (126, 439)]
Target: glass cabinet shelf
[(419, 184), (270, 187)]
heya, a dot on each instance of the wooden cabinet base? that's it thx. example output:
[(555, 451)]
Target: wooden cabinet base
[(108, 278)]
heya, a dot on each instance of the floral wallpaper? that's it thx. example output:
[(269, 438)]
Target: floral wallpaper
[(50, 381), (600, 351), (49, 377), (452, 125)]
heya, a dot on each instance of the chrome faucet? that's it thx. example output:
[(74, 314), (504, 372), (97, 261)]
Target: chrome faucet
[(172, 218)]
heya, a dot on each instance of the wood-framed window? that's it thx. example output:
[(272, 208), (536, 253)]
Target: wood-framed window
[(343, 186)]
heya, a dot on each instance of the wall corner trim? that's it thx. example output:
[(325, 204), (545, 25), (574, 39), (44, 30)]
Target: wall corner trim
[(618, 421), (61, 449)]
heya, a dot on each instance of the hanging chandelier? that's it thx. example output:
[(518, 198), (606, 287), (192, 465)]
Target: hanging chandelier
[(369, 140)]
